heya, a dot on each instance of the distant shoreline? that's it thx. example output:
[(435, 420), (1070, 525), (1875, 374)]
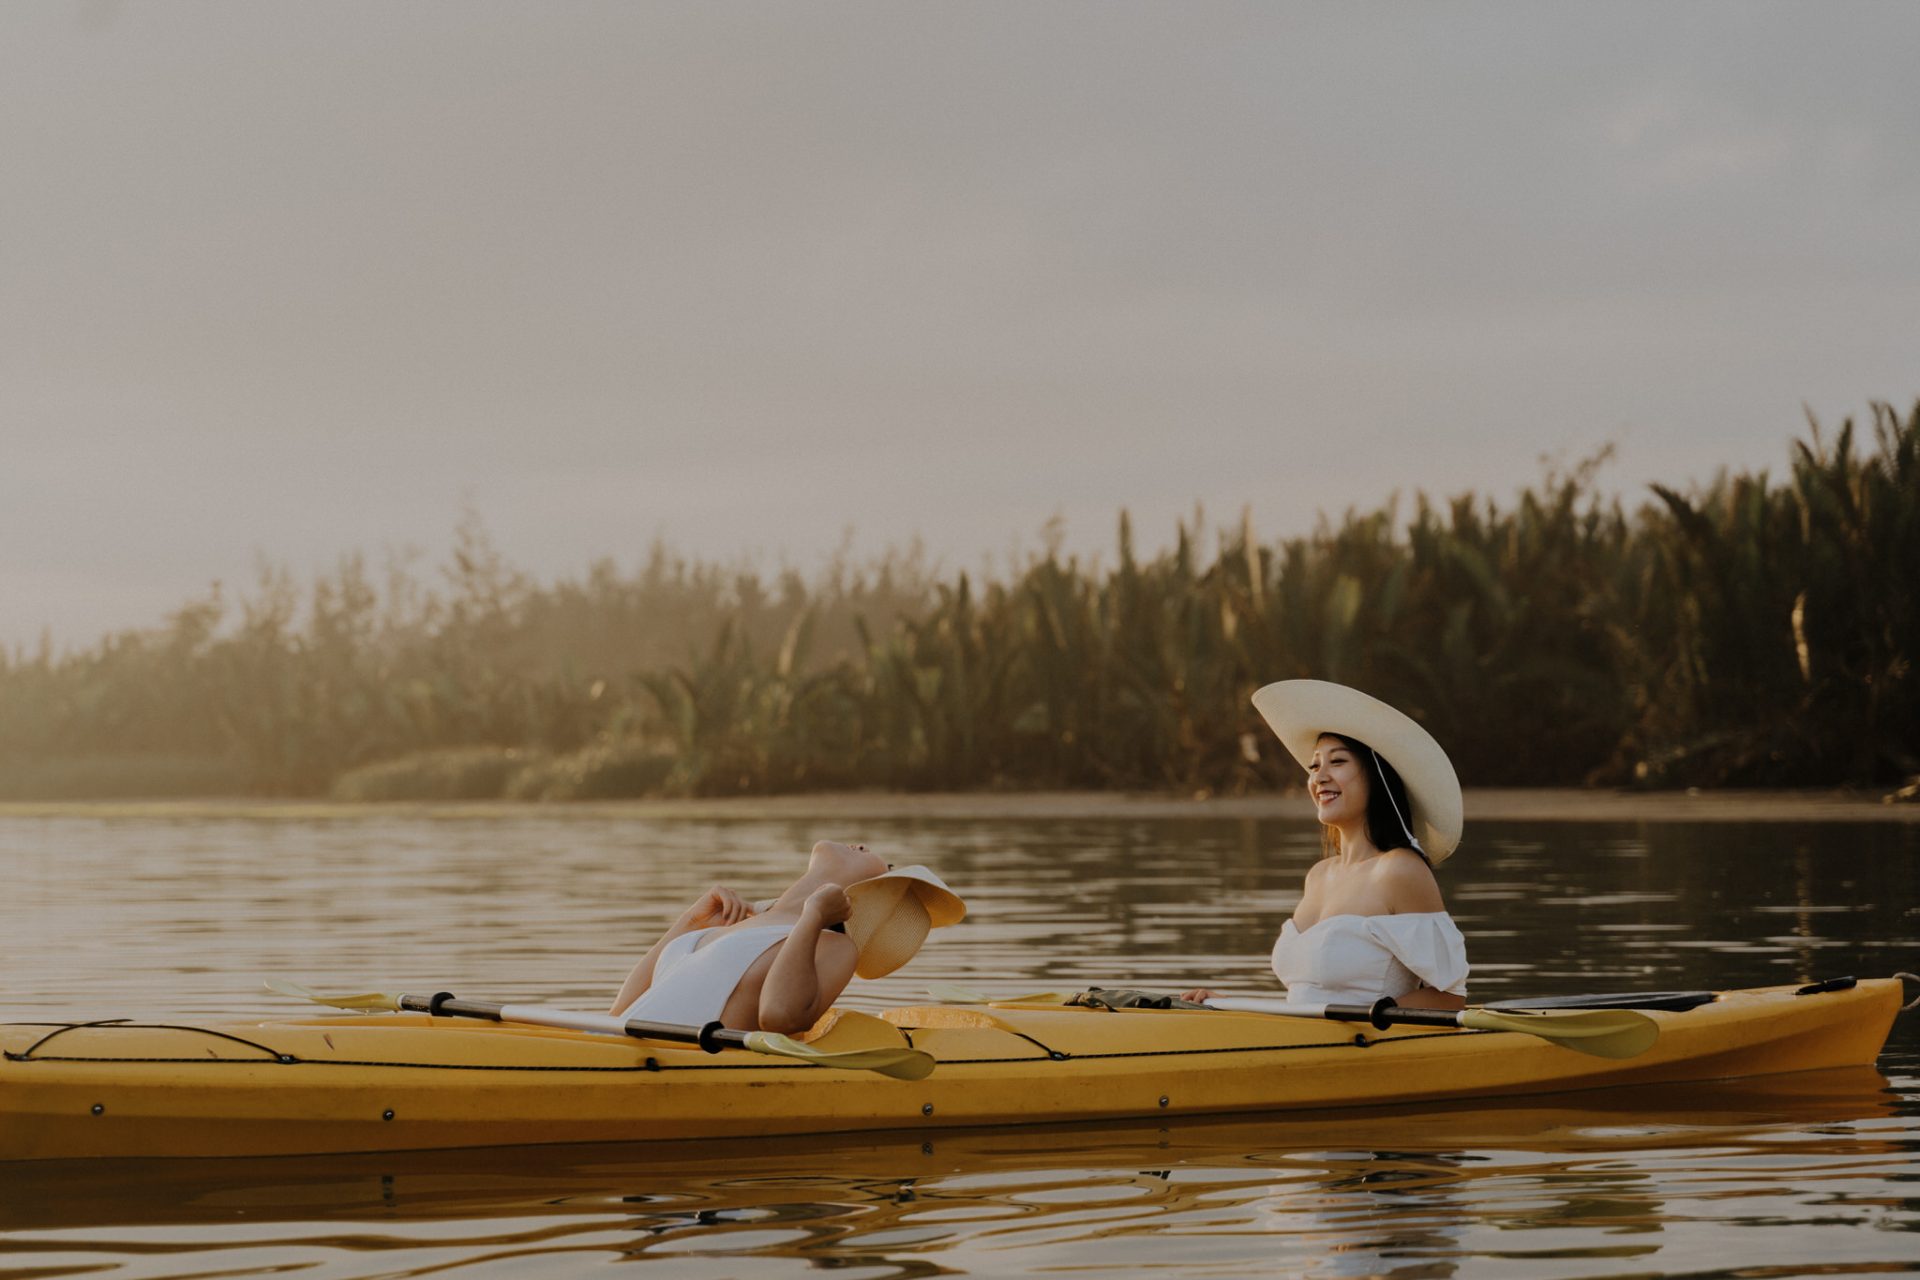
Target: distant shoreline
[(1546, 804)]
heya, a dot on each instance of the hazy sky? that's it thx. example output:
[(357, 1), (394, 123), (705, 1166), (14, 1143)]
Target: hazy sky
[(286, 280)]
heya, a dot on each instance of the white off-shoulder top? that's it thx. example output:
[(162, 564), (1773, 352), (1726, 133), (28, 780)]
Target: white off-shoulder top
[(1357, 959)]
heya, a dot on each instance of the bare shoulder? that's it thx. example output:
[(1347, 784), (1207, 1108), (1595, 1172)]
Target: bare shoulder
[(1315, 884), (1409, 882)]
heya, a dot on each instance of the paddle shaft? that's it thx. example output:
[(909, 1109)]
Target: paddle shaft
[(713, 1037), (1382, 1013)]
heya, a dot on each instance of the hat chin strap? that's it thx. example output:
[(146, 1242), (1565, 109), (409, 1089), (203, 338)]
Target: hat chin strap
[(1380, 770)]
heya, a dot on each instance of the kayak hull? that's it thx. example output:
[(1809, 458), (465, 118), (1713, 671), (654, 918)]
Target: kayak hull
[(398, 1082)]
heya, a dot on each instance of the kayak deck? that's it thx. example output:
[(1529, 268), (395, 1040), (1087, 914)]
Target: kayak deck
[(394, 1082)]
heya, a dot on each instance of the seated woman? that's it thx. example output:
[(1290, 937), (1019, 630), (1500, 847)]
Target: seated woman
[(781, 967), (1370, 921)]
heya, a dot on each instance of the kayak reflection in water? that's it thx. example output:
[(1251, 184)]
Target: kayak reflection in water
[(1370, 921), (781, 966)]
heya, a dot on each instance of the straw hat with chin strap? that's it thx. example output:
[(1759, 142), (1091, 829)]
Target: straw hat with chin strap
[(1301, 710), (892, 915)]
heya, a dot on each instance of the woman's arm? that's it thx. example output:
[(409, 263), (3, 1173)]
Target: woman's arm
[(812, 968), (717, 906)]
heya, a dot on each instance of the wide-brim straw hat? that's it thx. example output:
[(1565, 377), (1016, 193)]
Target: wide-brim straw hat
[(1299, 711), (892, 915)]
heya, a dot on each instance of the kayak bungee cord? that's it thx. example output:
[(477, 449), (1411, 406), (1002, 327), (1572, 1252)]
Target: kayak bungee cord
[(26, 1055)]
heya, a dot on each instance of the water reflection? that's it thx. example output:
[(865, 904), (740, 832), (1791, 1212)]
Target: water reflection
[(107, 918), (1586, 1161)]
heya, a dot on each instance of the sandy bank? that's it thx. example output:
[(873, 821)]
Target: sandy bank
[(1516, 805)]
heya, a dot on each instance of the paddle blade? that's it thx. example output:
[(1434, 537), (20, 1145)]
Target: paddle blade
[(364, 1001), (948, 993), (1603, 1033), (900, 1063)]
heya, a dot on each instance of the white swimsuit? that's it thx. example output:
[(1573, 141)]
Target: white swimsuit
[(692, 983), (1357, 959)]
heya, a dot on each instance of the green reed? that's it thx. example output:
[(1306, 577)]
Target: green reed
[(1742, 632)]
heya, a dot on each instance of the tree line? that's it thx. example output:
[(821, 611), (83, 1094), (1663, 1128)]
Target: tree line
[(1745, 632)]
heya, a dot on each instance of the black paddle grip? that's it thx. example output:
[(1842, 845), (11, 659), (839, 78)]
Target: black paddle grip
[(1375, 1013), (1384, 1013), (713, 1037)]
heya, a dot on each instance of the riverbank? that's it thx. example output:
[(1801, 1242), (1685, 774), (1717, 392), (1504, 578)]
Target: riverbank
[(1483, 805)]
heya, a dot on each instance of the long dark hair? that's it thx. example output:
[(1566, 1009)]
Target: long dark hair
[(1385, 790)]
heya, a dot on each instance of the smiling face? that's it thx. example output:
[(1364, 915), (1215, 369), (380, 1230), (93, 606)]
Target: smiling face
[(1337, 782)]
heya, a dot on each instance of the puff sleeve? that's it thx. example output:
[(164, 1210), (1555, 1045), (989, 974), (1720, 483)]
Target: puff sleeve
[(1430, 946)]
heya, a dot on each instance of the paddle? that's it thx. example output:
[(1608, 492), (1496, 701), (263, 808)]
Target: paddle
[(899, 1063), (948, 993), (1603, 1033)]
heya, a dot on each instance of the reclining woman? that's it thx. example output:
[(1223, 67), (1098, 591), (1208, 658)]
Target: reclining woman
[(1370, 921), (779, 968)]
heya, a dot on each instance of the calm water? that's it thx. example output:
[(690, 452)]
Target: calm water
[(1799, 1175)]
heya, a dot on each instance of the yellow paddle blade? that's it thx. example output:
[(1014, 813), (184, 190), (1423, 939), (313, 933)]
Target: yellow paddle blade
[(1604, 1033), (901, 1063), (364, 1001), (948, 993), (843, 1029)]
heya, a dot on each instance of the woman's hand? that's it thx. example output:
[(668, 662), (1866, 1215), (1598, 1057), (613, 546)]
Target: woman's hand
[(829, 904), (1199, 995), (717, 906)]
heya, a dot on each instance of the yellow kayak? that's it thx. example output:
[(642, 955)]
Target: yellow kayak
[(409, 1081)]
